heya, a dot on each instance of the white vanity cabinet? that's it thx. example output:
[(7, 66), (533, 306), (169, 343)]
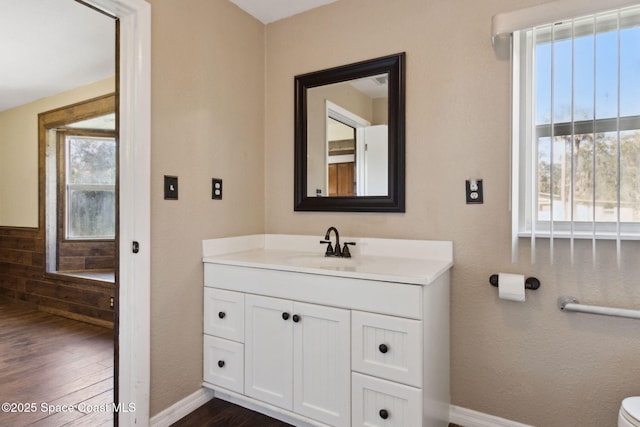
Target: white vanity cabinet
[(323, 346)]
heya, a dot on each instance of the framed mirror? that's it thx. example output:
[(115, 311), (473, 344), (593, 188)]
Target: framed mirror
[(349, 137)]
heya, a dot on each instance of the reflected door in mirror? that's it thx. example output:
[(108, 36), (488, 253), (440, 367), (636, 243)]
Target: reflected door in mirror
[(341, 179)]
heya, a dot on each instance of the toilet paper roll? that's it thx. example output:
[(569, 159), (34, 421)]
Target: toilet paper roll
[(511, 286)]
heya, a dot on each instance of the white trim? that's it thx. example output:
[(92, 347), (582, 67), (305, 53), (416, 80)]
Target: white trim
[(503, 24), (345, 116), (135, 174), (469, 418), (182, 408), (457, 415)]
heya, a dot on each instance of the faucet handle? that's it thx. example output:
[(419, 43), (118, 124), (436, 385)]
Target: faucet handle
[(345, 251), (329, 251)]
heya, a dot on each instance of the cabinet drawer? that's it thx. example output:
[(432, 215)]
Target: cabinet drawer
[(387, 347), (378, 402), (224, 363), (224, 314)]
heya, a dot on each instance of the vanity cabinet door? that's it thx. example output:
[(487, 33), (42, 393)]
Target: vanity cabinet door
[(269, 350), (297, 357), (321, 363)]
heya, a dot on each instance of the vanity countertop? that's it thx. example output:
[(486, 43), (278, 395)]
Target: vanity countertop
[(417, 262)]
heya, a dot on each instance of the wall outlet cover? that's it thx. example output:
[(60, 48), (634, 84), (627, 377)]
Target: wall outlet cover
[(473, 191), (216, 188)]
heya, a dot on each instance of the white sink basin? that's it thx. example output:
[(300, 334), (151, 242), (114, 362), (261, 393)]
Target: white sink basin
[(321, 261)]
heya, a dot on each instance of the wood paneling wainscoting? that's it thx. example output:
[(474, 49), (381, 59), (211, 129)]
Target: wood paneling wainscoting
[(86, 256), (23, 277)]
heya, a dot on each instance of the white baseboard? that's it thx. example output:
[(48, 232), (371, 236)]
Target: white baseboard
[(457, 415), (468, 418), (182, 408)]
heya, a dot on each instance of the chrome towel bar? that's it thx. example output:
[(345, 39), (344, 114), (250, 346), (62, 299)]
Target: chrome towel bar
[(567, 303)]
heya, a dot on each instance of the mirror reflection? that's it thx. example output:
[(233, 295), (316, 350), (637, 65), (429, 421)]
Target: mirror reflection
[(347, 138)]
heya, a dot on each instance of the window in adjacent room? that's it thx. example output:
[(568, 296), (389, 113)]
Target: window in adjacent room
[(576, 151), (89, 189), (79, 172)]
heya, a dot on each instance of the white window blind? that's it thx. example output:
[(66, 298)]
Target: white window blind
[(576, 129), (504, 24)]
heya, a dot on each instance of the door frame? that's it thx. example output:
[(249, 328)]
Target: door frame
[(133, 308)]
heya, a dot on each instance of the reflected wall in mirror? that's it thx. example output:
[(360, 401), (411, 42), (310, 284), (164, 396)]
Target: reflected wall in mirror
[(349, 137)]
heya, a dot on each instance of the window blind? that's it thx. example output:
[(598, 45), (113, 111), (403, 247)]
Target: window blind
[(576, 128), (504, 24)]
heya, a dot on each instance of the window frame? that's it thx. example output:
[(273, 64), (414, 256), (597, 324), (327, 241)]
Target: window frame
[(524, 152), (63, 185)]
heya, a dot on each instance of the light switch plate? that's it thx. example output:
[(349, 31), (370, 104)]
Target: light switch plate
[(170, 187)]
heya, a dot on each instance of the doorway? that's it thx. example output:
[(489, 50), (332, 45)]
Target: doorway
[(133, 312)]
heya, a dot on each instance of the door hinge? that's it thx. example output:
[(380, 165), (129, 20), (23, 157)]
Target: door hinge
[(135, 247)]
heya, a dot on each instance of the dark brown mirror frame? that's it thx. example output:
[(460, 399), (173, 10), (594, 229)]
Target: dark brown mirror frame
[(394, 201)]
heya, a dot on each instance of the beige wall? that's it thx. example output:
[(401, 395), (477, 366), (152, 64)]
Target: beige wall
[(207, 121), (19, 152), (525, 362)]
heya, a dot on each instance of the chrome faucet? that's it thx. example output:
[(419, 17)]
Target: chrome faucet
[(337, 251)]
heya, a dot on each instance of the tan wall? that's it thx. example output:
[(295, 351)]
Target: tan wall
[(19, 152), (525, 362), (207, 121)]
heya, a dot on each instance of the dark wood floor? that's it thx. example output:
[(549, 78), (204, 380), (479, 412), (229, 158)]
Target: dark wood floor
[(218, 413), (48, 361)]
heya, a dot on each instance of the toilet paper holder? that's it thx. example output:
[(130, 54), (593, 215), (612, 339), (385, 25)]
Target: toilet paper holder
[(529, 283)]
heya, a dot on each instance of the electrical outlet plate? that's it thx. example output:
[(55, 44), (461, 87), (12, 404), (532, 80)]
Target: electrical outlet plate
[(216, 188), (474, 191), (170, 187)]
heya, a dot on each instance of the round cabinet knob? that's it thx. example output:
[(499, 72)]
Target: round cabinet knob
[(296, 318), (220, 363), (383, 348), (285, 316), (384, 414), (222, 314)]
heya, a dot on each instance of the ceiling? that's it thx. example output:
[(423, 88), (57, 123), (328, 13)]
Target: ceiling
[(47, 47), (268, 11), (50, 46)]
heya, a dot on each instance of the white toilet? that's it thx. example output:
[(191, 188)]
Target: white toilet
[(629, 415)]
